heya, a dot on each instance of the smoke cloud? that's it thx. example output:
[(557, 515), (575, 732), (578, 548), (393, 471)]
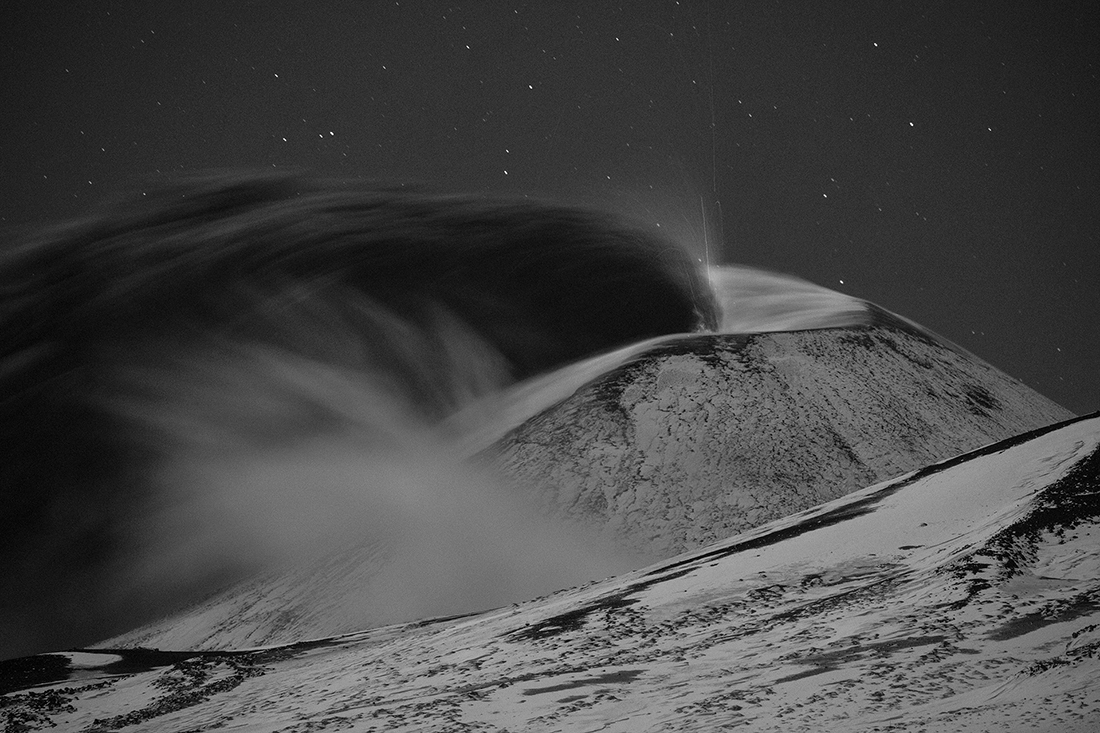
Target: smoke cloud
[(244, 375)]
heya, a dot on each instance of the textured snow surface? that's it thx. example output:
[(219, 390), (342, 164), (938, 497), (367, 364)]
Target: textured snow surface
[(703, 437), (964, 596)]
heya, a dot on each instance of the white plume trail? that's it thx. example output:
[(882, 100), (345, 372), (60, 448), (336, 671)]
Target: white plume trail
[(750, 300), (754, 300)]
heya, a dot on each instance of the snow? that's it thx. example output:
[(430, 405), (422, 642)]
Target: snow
[(864, 612), (705, 436)]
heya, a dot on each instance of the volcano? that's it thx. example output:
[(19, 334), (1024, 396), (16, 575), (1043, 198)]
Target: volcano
[(702, 437), (846, 521)]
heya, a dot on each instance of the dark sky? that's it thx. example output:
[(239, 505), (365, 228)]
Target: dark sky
[(938, 158)]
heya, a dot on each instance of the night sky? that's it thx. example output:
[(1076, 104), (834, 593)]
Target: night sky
[(937, 158)]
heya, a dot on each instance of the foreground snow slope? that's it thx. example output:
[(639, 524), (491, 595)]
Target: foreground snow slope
[(964, 596)]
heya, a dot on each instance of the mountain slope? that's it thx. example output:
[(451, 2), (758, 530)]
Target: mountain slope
[(965, 595), (701, 437)]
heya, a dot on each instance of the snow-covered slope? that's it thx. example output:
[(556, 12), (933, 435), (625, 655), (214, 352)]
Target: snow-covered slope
[(701, 437), (964, 596), (753, 300)]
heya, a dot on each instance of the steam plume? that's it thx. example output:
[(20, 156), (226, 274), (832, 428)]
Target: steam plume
[(240, 372)]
